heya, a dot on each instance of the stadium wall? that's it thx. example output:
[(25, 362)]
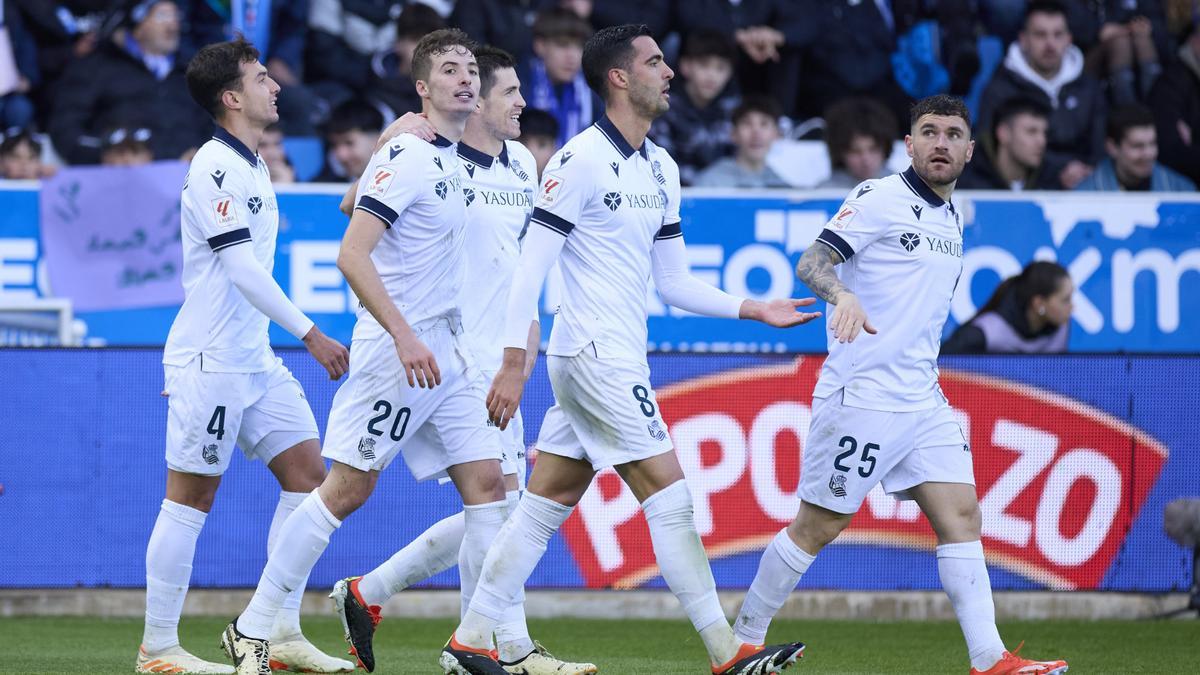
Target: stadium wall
[(1075, 458)]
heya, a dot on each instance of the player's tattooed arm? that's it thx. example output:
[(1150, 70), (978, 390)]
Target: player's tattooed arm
[(816, 270)]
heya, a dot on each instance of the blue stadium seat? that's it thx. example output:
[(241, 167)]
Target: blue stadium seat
[(307, 154)]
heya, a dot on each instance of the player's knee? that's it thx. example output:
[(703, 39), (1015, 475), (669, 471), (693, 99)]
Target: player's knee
[(815, 527)]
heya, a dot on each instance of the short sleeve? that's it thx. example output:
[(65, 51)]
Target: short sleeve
[(857, 223), (666, 174), (566, 188), (391, 183), (218, 199)]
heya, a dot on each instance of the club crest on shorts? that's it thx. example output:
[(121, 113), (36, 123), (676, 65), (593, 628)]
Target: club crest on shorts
[(209, 453), (837, 485), (366, 448), (656, 430)]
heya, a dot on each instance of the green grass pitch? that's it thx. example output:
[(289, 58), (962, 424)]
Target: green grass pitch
[(636, 647)]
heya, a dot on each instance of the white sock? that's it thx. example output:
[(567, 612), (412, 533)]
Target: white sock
[(779, 570), (965, 577), (518, 547), (434, 550), (302, 539), (512, 633), (481, 522), (684, 566), (168, 572), (287, 621)]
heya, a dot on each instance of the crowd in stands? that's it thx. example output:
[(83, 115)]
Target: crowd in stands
[(1065, 94)]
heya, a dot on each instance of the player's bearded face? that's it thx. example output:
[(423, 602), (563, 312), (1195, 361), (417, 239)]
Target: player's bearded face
[(940, 147), (649, 79)]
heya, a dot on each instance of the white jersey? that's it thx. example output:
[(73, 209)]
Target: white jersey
[(227, 201), (499, 196), (413, 186), (902, 245), (611, 202)]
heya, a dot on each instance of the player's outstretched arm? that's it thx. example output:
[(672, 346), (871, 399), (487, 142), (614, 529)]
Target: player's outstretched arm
[(539, 250), (354, 261), (261, 290), (677, 286), (816, 270)]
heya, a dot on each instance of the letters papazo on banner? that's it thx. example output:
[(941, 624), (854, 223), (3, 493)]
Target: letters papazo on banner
[(1060, 482)]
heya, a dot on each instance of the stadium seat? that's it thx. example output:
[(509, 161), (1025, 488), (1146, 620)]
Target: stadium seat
[(307, 155)]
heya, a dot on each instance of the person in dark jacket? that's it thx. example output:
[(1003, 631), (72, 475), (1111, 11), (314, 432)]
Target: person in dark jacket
[(1045, 66), (391, 70), (696, 128), (1012, 155), (16, 109), (135, 80), (1027, 314), (343, 36), (507, 24), (1175, 100)]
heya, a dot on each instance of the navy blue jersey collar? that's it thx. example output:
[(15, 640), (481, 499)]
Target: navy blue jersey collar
[(441, 141), (613, 134), (918, 186), (481, 158), (237, 146)]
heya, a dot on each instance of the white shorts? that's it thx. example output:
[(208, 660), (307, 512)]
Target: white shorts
[(512, 443), (207, 413), (375, 414), (849, 450), (604, 412)]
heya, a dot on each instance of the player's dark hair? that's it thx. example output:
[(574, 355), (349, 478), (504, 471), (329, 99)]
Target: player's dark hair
[(1127, 117), (418, 20), (1043, 7), (610, 48), (538, 122), (217, 68), (943, 105), (490, 60), (354, 115), (1038, 278), (853, 117), (16, 138), (702, 44), (560, 23), (757, 104), (434, 44), (1016, 106)]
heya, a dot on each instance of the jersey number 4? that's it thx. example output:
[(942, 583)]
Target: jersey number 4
[(216, 424)]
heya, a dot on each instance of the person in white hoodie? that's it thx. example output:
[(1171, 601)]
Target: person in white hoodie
[(1043, 64)]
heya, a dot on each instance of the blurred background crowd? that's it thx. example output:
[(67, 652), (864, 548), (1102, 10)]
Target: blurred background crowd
[(1065, 94)]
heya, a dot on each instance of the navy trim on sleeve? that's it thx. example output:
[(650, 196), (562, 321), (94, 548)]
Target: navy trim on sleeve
[(378, 209), (669, 231), (835, 242), (227, 239), (547, 219)]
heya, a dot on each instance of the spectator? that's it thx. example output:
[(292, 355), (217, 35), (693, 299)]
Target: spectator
[(63, 31), (21, 157), (350, 138), (18, 69), (133, 80), (506, 24), (552, 79), (127, 147), (1175, 100), (391, 69), (859, 134), (1132, 163), (270, 148), (343, 37), (755, 130), (695, 130), (539, 133), (1045, 66), (278, 30), (1011, 156), (1125, 42), (655, 14), (1027, 314)]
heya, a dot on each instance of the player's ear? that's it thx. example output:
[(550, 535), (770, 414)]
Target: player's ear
[(970, 149), (908, 144), (231, 99), (422, 88), (618, 78)]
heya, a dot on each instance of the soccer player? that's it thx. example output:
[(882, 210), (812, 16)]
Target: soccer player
[(498, 186), (412, 387), (224, 384), (609, 204), (878, 412)]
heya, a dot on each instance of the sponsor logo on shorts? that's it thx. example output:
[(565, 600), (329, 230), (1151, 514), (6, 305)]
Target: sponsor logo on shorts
[(1055, 476), (837, 485), (366, 447), (656, 430), (209, 453)]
